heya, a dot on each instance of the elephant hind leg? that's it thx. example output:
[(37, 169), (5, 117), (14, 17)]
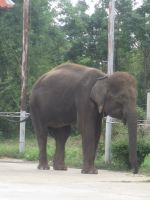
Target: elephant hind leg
[(42, 143), (41, 134), (61, 135)]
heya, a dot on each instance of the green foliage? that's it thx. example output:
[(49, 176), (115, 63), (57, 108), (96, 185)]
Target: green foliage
[(119, 161), (86, 35), (143, 149), (10, 54), (120, 150), (73, 152), (141, 113), (119, 129), (73, 157), (141, 26), (31, 151), (9, 149), (31, 154), (145, 167), (46, 40), (100, 150)]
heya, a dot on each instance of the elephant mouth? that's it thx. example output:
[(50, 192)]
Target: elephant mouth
[(118, 114)]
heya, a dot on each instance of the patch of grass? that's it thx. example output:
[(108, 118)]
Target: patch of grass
[(31, 150), (74, 152), (9, 148), (73, 157)]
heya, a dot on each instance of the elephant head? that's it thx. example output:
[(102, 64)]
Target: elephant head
[(116, 96)]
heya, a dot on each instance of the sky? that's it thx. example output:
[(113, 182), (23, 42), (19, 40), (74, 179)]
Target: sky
[(92, 3)]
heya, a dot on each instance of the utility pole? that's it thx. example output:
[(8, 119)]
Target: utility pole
[(111, 20), (24, 73)]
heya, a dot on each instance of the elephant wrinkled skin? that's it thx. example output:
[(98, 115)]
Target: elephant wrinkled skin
[(72, 93)]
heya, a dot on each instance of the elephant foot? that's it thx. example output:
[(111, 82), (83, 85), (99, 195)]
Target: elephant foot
[(89, 171), (59, 167), (43, 166)]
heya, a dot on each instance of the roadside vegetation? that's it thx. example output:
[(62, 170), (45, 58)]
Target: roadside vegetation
[(119, 150)]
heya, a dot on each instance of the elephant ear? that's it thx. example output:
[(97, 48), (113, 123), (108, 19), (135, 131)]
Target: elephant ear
[(98, 94)]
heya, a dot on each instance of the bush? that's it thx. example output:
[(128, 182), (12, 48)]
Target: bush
[(120, 150), (145, 167), (140, 113), (143, 149), (119, 129)]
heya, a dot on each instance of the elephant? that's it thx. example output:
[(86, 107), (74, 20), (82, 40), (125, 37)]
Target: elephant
[(75, 94)]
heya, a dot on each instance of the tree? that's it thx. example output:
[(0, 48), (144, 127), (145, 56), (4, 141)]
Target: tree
[(98, 37), (142, 37), (86, 35), (10, 59), (47, 43), (123, 33), (74, 24), (46, 49)]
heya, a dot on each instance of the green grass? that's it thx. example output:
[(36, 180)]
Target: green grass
[(10, 148), (31, 150), (73, 158)]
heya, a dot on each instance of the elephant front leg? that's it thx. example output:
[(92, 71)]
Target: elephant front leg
[(89, 144), (90, 140)]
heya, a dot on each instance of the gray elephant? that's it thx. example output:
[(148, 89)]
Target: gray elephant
[(72, 93)]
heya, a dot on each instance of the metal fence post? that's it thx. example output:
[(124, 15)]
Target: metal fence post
[(22, 132), (108, 134)]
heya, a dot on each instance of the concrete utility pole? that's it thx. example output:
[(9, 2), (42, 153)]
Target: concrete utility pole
[(24, 73), (111, 20)]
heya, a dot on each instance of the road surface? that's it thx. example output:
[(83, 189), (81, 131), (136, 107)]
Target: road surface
[(21, 180)]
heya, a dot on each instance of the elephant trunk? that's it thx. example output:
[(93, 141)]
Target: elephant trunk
[(132, 131)]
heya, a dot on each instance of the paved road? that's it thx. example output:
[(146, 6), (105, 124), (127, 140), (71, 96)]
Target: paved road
[(22, 181)]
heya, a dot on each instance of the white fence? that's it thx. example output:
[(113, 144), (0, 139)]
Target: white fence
[(14, 116), (17, 117)]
